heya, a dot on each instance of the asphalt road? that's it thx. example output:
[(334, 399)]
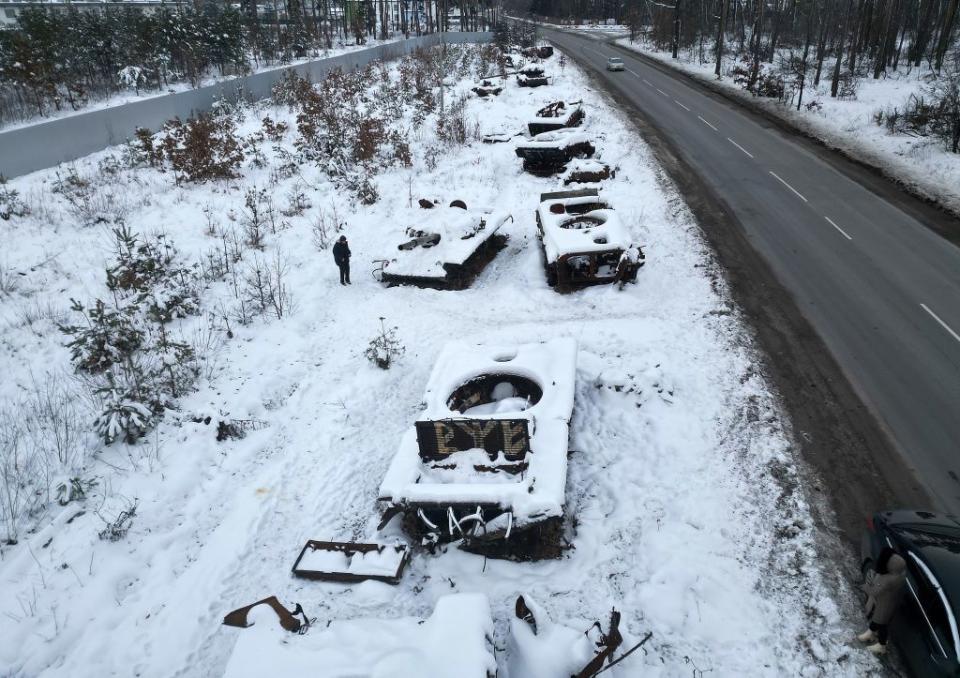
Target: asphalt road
[(874, 279)]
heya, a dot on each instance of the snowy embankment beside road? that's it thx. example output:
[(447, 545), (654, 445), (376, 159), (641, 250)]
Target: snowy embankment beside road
[(921, 163), (683, 494)]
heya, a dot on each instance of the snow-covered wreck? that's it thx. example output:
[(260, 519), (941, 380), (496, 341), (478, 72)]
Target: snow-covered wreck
[(548, 153), (442, 247), (532, 76), (584, 242), (456, 641), (486, 463), (555, 116)]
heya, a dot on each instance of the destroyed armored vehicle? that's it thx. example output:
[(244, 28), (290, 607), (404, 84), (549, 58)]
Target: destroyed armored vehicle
[(556, 116), (587, 171), (487, 88), (548, 153), (485, 465), (442, 247), (542, 52), (456, 640), (584, 242), (532, 76)]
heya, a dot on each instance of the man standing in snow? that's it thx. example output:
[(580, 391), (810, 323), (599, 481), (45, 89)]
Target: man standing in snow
[(341, 255)]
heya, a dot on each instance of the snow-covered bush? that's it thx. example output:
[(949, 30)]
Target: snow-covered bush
[(935, 114), (385, 348), (16, 469), (260, 217), (132, 77), (10, 203), (92, 200), (148, 270), (141, 151), (125, 350), (42, 445), (265, 285), (122, 417), (110, 336), (453, 127), (8, 280), (117, 528), (325, 227)]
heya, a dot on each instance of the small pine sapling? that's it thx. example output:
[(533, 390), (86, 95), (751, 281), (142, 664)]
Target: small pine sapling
[(385, 348)]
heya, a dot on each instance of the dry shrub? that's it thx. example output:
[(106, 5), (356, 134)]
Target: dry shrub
[(274, 131), (202, 148)]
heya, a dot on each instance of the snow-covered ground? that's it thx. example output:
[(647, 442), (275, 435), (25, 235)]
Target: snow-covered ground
[(682, 495), (923, 164)]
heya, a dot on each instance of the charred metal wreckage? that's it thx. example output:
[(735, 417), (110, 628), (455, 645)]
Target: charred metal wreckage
[(486, 88), (584, 242), (555, 116), (485, 466), (456, 640), (443, 247), (549, 153)]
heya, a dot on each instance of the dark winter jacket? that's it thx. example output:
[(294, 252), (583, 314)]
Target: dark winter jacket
[(341, 253)]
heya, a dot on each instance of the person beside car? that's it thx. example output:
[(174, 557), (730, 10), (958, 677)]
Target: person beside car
[(884, 586)]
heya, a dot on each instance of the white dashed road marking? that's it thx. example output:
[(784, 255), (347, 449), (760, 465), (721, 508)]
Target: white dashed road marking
[(942, 324), (708, 124), (680, 105), (749, 154), (799, 194), (838, 228)]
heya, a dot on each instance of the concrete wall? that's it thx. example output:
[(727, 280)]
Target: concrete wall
[(46, 144)]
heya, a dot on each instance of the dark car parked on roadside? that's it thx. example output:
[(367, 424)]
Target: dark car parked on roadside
[(925, 626)]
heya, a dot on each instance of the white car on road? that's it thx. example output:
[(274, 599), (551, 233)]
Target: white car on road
[(615, 64)]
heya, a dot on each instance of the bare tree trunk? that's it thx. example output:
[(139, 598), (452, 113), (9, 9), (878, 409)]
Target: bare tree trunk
[(806, 53), (843, 34), (724, 8), (776, 30), (756, 40), (948, 20), (822, 44), (880, 60), (676, 29)]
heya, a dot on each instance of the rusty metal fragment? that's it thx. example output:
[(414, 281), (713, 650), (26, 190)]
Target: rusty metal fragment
[(287, 618), (349, 562), (496, 138), (607, 644), (419, 239)]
